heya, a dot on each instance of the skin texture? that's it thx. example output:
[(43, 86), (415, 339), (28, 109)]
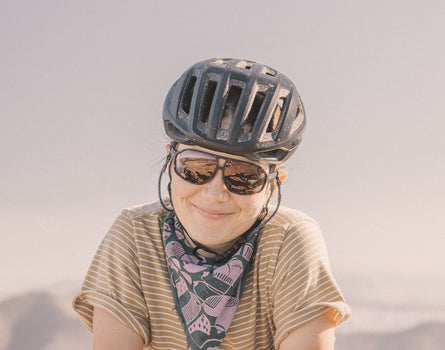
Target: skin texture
[(111, 334), (214, 217), (317, 334), (211, 214)]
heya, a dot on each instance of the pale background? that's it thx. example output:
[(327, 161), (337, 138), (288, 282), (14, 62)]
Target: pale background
[(82, 85)]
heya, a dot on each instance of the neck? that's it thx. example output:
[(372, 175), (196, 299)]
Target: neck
[(222, 254), (207, 251)]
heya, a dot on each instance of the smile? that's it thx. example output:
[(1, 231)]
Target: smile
[(210, 214)]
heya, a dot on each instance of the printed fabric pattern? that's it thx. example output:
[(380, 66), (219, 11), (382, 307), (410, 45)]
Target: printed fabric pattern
[(206, 294)]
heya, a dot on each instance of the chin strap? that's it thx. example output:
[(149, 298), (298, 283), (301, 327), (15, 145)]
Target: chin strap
[(278, 203), (226, 255), (164, 168)]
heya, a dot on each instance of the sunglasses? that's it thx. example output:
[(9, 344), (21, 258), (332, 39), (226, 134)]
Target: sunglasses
[(240, 177)]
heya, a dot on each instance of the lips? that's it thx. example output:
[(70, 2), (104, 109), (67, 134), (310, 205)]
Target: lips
[(211, 213)]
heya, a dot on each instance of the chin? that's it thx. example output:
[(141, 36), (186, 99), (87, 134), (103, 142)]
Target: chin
[(209, 236)]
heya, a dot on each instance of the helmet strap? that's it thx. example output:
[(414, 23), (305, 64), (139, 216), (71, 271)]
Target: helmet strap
[(221, 257), (272, 184), (257, 225), (227, 254), (277, 178), (163, 169)]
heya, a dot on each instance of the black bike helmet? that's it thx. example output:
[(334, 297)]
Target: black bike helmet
[(238, 107)]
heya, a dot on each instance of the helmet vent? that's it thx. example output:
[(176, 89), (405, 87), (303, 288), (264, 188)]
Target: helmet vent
[(299, 117), (237, 106), (230, 106), (207, 101), (275, 154), (254, 111), (245, 64), (300, 110), (188, 94), (276, 115), (223, 61), (269, 71), (174, 132)]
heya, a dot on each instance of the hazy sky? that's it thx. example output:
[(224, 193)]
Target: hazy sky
[(82, 85)]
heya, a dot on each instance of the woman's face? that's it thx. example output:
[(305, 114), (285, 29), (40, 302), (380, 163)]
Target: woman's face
[(211, 214)]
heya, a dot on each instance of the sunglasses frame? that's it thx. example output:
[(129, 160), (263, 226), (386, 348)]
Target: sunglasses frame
[(174, 154)]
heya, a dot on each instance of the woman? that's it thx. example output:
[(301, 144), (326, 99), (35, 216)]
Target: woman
[(210, 266)]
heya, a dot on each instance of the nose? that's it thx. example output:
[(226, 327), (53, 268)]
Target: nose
[(216, 188)]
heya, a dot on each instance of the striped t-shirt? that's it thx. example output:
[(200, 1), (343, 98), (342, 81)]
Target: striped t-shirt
[(289, 283)]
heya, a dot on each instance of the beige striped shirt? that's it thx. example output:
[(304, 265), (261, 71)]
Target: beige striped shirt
[(288, 284)]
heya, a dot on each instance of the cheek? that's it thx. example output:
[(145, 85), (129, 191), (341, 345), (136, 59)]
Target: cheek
[(181, 188), (252, 205)]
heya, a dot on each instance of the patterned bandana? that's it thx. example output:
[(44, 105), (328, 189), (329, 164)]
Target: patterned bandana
[(206, 293)]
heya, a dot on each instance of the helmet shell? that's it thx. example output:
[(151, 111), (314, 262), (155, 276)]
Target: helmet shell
[(238, 107)]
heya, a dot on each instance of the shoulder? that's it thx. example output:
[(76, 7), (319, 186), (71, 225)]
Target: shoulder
[(288, 217), (288, 221), (146, 211), (139, 219), (294, 233)]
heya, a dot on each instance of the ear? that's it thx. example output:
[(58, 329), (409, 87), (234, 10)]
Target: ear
[(169, 146), (282, 175), (167, 158)]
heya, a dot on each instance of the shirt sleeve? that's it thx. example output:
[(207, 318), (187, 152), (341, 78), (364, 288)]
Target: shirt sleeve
[(303, 287), (113, 281)]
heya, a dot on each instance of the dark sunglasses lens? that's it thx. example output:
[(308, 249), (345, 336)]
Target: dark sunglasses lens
[(243, 177), (194, 166)]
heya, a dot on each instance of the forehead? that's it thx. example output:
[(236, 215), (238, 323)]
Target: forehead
[(181, 147)]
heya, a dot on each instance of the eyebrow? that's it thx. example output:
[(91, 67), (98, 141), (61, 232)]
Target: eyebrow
[(268, 168), (264, 165)]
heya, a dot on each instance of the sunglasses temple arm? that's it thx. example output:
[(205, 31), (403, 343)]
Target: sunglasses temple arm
[(278, 204)]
